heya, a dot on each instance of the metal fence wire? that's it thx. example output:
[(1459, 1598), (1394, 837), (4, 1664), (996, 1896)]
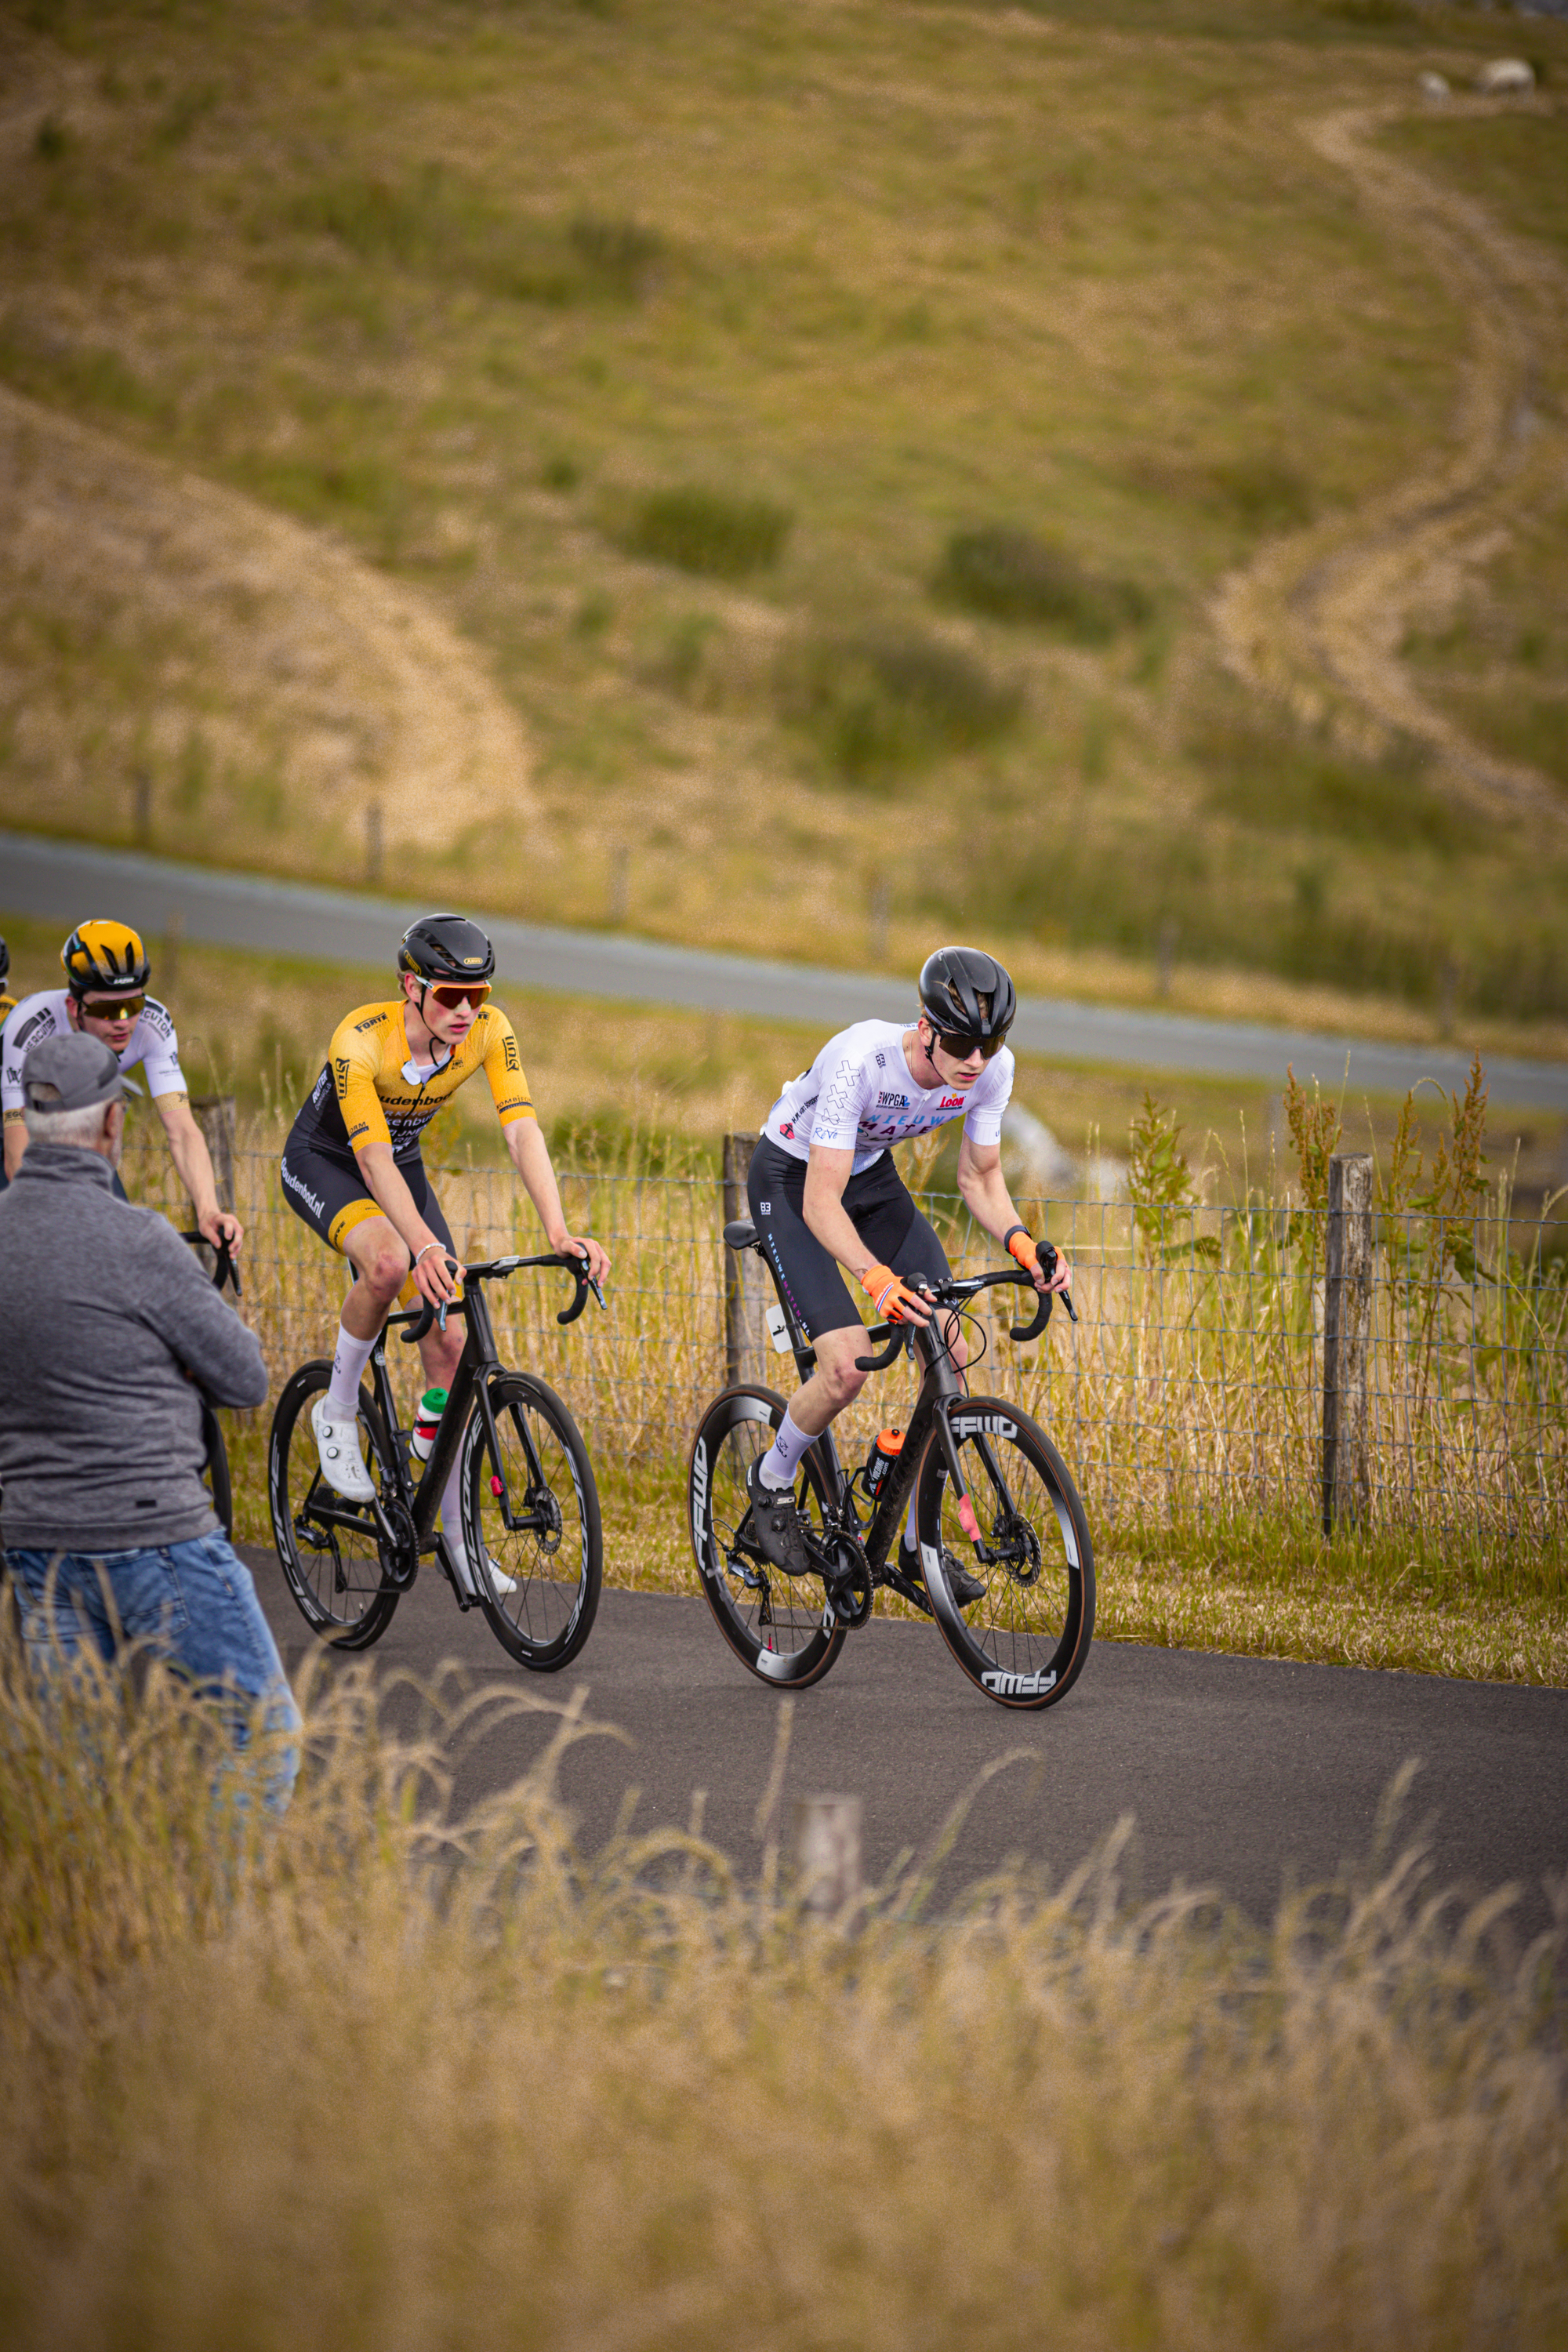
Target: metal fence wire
[(1190, 1387)]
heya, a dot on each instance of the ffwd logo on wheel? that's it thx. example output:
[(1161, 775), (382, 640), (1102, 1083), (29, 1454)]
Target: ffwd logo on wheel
[(1002, 1685)]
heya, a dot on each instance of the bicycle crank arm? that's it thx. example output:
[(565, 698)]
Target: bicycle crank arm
[(907, 1590)]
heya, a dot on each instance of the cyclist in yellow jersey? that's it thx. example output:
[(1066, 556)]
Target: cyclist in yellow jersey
[(8, 1002), (352, 1168)]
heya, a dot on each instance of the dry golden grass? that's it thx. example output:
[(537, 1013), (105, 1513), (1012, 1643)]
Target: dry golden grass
[(393, 2076)]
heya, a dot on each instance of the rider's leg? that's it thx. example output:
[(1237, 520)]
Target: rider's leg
[(380, 1260)]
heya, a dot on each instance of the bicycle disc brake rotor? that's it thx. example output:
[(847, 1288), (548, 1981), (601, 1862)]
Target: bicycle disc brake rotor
[(1016, 1547)]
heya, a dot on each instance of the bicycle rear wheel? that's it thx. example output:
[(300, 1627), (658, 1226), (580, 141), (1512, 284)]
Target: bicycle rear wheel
[(778, 1626), (538, 1577), (332, 1567), (1025, 1641)]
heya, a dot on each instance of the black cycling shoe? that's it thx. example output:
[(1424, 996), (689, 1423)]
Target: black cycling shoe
[(965, 1589), (777, 1524)]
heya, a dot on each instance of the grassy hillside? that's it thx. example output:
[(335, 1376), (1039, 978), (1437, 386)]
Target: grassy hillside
[(828, 425)]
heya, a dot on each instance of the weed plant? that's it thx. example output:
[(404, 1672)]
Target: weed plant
[(400, 2073)]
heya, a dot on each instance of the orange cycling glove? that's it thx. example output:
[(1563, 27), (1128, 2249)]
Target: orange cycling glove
[(1021, 1246), (888, 1294)]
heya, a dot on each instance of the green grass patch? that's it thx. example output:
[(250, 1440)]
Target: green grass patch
[(878, 702), (1008, 575), (705, 530)]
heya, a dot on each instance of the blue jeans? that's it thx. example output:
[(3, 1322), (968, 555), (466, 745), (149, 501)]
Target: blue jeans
[(191, 1603)]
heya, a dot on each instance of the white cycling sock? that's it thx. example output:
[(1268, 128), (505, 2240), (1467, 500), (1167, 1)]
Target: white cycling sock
[(348, 1365), (452, 1519), (783, 1457)]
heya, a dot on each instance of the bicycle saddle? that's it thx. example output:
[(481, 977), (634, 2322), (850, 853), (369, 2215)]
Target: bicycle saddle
[(741, 1234)]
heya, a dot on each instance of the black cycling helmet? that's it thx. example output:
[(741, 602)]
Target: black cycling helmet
[(965, 993), (105, 959), (446, 947)]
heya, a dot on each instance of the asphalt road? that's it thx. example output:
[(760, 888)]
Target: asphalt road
[(1241, 1773), (65, 881)]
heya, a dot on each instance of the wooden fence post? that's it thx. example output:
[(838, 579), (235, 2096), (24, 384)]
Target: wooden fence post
[(214, 1114), (828, 1853), (743, 1293), (1347, 1330)]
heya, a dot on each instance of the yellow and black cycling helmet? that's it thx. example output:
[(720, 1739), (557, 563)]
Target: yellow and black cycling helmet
[(103, 959), (446, 947)]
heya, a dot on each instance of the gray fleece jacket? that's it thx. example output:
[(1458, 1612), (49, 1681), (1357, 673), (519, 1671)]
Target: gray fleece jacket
[(103, 1311)]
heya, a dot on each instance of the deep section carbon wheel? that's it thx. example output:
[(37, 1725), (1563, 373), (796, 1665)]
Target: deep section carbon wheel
[(1026, 1638), (780, 1626), (330, 1551), (531, 1523)]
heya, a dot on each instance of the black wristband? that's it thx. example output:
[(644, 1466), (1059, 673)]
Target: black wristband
[(1016, 1229)]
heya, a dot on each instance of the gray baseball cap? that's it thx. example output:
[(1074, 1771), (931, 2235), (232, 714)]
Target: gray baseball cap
[(73, 1072)]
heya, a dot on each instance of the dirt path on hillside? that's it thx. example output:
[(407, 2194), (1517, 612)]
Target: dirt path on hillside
[(352, 682), (1318, 619)]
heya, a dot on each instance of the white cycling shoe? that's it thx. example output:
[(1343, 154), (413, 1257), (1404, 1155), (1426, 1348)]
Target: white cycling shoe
[(342, 1467), (501, 1583)]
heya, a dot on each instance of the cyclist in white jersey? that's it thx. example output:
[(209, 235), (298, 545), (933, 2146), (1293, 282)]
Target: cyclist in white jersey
[(107, 970), (825, 1194)]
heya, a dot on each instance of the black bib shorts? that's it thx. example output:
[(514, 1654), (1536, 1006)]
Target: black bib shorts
[(879, 1206)]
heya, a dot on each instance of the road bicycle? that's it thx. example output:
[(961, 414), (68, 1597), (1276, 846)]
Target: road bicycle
[(992, 1495), (530, 1506), (214, 1466)]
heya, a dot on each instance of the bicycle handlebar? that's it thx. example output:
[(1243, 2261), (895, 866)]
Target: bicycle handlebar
[(226, 1270), (497, 1269), (953, 1294)]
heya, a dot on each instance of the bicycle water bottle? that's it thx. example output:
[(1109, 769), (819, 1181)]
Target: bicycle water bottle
[(426, 1421), (889, 1444)]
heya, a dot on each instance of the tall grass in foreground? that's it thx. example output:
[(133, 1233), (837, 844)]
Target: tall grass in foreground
[(395, 2076)]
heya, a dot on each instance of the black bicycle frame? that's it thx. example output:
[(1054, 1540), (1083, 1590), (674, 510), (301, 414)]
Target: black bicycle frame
[(941, 1383), (478, 1362)]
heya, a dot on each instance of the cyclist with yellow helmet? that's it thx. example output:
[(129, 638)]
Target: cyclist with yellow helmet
[(105, 996)]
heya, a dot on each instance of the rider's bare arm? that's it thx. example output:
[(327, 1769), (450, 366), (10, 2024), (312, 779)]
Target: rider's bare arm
[(188, 1150), (15, 1140), (984, 1192), (826, 1174), (529, 1156)]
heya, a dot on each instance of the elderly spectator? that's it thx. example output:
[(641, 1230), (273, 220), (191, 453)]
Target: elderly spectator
[(109, 1332)]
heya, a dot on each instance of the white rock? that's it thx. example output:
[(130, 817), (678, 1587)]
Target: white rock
[(1035, 1159), (1434, 86), (1504, 76)]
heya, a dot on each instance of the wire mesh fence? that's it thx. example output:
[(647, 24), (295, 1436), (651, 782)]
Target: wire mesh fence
[(1190, 1387)]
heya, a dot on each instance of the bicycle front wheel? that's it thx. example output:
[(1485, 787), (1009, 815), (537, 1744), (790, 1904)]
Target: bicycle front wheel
[(531, 1524), (779, 1627), (329, 1550), (1026, 1638)]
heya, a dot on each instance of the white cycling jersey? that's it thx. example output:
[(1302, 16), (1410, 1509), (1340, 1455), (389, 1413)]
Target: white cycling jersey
[(151, 1041), (861, 1095)]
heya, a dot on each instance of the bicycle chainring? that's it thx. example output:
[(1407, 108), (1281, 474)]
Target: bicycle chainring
[(400, 1557)]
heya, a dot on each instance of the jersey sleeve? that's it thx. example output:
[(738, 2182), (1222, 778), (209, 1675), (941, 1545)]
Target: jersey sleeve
[(841, 1105), (503, 1068), (33, 1020), (355, 1058), (983, 1119), (158, 1050)]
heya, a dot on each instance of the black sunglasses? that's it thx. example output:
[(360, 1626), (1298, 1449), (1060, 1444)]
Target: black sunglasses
[(961, 1048)]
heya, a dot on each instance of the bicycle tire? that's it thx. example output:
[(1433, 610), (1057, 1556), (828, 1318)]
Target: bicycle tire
[(728, 1437), (214, 1470), (352, 1604), (1026, 1641), (545, 1618)]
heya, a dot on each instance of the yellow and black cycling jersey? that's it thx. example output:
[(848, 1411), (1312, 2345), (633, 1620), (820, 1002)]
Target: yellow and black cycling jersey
[(370, 1089), (7, 1006)]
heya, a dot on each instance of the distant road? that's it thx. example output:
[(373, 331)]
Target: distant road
[(67, 881)]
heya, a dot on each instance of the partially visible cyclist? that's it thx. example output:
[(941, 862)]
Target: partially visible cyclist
[(8, 1002), (107, 970), (825, 1194), (352, 1168)]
